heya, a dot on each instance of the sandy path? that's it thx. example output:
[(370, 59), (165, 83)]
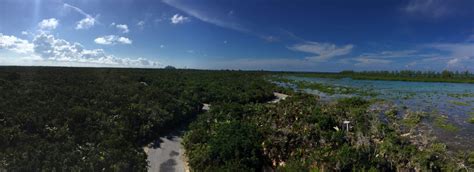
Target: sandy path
[(278, 97), (168, 153)]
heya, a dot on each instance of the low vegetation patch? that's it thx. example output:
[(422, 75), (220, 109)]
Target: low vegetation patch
[(471, 119), (412, 119), (304, 134), (459, 103), (441, 122), (325, 88), (461, 95)]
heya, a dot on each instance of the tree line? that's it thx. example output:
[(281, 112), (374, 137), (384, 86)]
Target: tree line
[(402, 75)]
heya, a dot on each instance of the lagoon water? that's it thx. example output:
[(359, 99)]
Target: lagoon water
[(454, 100)]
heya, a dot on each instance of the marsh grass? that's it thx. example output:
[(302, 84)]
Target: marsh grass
[(325, 88), (441, 121), (471, 119), (459, 103), (412, 119), (460, 95)]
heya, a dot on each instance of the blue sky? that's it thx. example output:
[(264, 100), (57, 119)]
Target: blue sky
[(296, 35)]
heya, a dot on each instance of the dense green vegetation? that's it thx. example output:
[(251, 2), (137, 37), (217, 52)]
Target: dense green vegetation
[(87, 119), (69, 119), (304, 134), (404, 75)]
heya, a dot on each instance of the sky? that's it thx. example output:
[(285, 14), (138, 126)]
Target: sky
[(276, 35)]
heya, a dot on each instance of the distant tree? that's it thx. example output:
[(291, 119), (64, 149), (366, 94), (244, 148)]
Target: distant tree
[(170, 67), (446, 74), (347, 72)]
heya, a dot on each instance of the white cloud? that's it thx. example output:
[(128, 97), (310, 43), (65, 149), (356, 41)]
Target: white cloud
[(461, 55), (50, 48), (123, 28), (87, 22), (124, 40), (323, 51), (24, 32), (177, 19), (15, 44), (112, 40), (48, 24), (102, 40), (141, 24), (45, 49), (453, 61)]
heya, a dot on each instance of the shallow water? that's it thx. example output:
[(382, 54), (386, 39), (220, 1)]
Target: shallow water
[(454, 100)]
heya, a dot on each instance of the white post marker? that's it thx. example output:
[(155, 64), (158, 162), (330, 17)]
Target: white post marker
[(347, 124)]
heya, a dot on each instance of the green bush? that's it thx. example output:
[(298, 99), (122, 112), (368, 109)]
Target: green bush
[(91, 119)]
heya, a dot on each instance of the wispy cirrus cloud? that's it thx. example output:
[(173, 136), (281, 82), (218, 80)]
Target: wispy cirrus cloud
[(428, 8), (456, 49), (226, 19), (390, 54), (393, 56), (433, 56), (205, 17), (87, 22), (460, 55), (322, 51), (438, 9)]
